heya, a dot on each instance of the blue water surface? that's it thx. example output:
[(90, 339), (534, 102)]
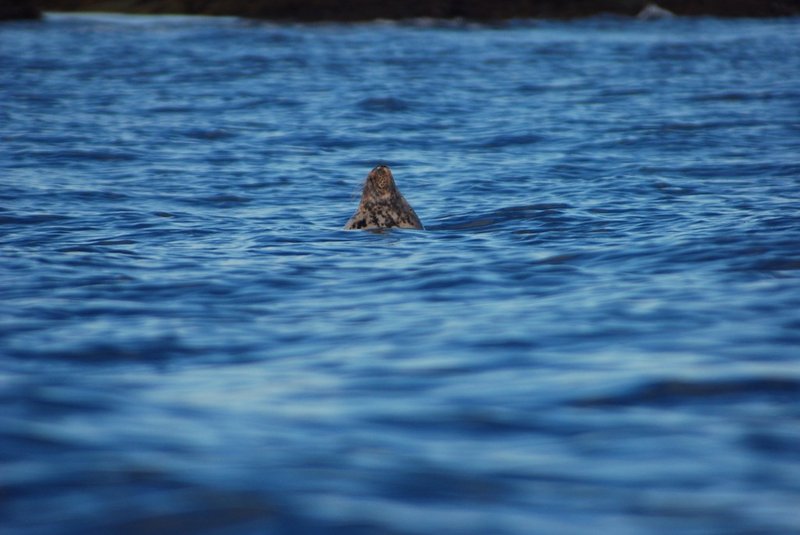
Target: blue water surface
[(598, 331)]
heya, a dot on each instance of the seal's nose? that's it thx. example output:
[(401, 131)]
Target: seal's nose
[(381, 166)]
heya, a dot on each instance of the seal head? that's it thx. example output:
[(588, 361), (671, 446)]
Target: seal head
[(382, 205)]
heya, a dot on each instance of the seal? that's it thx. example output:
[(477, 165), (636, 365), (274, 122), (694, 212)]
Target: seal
[(382, 205)]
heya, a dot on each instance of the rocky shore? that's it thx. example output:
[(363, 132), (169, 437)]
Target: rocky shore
[(360, 10)]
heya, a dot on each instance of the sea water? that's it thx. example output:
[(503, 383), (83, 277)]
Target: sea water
[(598, 331)]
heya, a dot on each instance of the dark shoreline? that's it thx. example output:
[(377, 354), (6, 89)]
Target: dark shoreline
[(480, 10), (20, 10)]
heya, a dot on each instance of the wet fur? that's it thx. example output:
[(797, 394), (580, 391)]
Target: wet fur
[(382, 205)]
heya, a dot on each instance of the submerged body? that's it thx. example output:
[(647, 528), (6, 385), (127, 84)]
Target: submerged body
[(382, 205)]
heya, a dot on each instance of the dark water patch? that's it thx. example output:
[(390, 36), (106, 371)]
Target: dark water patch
[(407, 485), (683, 392), (88, 196), (171, 109), (740, 96), (672, 189), (33, 219), (528, 88), (247, 102), (108, 242), (534, 212), (707, 126), (154, 351), (621, 92), (445, 281), (48, 138), (56, 400), (769, 265), (80, 249), (206, 510), (72, 156), (384, 104), (219, 200), (209, 134), (769, 442)]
